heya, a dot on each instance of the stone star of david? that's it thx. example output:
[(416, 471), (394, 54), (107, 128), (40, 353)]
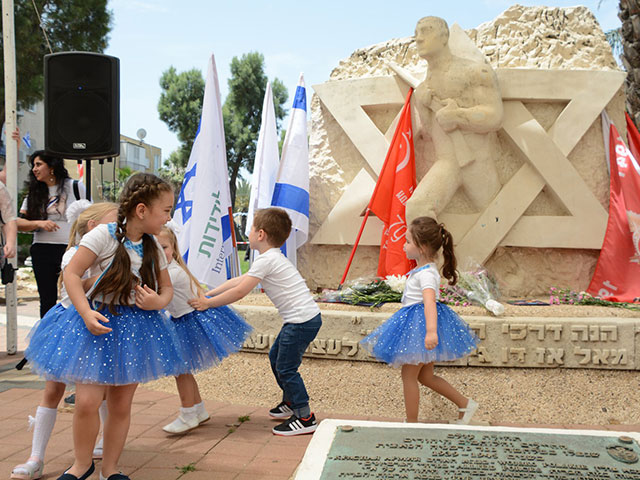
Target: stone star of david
[(586, 92)]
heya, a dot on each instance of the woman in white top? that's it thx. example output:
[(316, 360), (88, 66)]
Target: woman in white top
[(43, 211)]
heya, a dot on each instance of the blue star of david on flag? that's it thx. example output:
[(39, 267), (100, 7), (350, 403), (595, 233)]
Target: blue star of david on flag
[(186, 206)]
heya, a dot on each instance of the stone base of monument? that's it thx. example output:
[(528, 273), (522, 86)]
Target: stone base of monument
[(573, 341), (379, 450)]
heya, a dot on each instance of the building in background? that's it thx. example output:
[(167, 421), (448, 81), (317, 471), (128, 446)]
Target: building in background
[(135, 156)]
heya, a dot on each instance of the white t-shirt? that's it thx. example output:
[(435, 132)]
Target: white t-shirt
[(57, 212), (284, 286), (66, 258), (427, 277), (101, 241), (182, 291)]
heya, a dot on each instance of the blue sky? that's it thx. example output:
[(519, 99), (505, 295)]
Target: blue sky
[(149, 36)]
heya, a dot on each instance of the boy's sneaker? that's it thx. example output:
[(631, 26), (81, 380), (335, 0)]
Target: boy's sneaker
[(296, 426), (281, 411)]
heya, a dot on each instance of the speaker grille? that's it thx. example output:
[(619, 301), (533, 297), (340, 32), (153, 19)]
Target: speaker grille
[(82, 117)]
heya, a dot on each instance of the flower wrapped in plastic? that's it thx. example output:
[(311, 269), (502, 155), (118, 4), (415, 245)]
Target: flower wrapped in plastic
[(476, 284), (369, 291)]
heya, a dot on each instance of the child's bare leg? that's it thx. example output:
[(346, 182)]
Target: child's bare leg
[(441, 386), (411, 391), (196, 392), (86, 424), (117, 426), (187, 389), (53, 393)]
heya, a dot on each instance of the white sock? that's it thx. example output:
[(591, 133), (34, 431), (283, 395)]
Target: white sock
[(200, 407), (44, 422), (188, 413)]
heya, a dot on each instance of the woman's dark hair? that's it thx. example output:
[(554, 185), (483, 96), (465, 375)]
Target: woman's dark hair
[(430, 236), (38, 192), (118, 279)]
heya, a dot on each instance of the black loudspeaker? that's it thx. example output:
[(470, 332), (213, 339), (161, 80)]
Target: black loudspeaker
[(82, 105)]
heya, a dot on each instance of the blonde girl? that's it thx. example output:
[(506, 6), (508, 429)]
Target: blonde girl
[(206, 336), (115, 333), (84, 217), (424, 330)]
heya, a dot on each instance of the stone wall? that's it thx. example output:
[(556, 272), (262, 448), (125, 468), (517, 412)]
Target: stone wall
[(521, 37)]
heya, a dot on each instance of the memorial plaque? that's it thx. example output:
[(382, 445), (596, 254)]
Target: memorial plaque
[(377, 450)]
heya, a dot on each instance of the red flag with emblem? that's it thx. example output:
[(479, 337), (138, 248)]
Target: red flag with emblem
[(617, 274), (396, 183)]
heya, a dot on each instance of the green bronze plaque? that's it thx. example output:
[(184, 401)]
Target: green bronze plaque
[(466, 454)]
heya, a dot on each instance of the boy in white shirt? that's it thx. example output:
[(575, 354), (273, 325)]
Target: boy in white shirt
[(286, 288)]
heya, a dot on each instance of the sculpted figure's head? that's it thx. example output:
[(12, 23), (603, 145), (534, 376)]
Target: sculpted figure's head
[(432, 35)]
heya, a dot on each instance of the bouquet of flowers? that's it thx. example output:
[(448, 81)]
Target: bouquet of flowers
[(476, 285), (369, 292), (567, 296)]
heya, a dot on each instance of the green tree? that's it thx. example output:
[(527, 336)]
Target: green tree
[(243, 194), (242, 112), (180, 107), (69, 24)]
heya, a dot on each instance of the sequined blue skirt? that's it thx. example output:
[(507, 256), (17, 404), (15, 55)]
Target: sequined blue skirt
[(142, 346), (208, 336), (400, 339), (52, 315)]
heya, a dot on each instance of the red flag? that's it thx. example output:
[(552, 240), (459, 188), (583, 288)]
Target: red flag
[(396, 183), (617, 274)]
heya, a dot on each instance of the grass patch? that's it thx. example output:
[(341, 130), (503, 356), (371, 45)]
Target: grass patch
[(191, 467), (244, 418)]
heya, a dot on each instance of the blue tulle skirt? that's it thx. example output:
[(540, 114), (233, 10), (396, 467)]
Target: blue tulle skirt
[(52, 315), (400, 339), (142, 346), (206, 337)]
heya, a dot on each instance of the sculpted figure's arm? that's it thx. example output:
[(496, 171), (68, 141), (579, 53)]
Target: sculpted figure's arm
[(484, 117)]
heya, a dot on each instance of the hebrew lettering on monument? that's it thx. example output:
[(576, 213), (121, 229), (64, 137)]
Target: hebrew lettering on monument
[(509, 146)]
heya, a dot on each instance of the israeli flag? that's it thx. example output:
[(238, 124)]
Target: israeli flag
[(265, 166), (27, 140), (204, 204), (291, 191)]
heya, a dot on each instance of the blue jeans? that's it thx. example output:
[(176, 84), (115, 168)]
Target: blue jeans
[(286, 355)]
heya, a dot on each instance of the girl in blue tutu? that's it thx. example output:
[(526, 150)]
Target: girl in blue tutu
[(206, 336), (114, 336), (424, 330), (84, 217)]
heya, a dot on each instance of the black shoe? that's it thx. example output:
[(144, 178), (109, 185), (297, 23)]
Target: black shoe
[(281, 411), (87, 474), (296, 426), (71, 399)]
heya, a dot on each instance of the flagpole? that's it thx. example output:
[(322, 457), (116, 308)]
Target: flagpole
[(11, 162), (235, 268), (375, 190)]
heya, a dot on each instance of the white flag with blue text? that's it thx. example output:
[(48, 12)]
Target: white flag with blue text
[(202, 209), (265, 166), (291, 191)]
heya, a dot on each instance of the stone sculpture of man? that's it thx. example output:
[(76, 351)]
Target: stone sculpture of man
[(460, 109)]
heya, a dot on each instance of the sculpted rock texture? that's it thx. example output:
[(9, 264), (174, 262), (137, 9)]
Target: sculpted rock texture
[(522, 37)]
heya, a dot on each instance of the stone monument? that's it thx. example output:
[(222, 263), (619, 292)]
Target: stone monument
[(537, 218)]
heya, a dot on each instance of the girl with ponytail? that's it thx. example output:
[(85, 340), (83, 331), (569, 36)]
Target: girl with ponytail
[(114, 336), (83, 217), (207, 336), (424, 330)]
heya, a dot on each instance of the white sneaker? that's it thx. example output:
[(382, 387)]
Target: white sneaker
[(202, 416), (468, 412), (182, 425)]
